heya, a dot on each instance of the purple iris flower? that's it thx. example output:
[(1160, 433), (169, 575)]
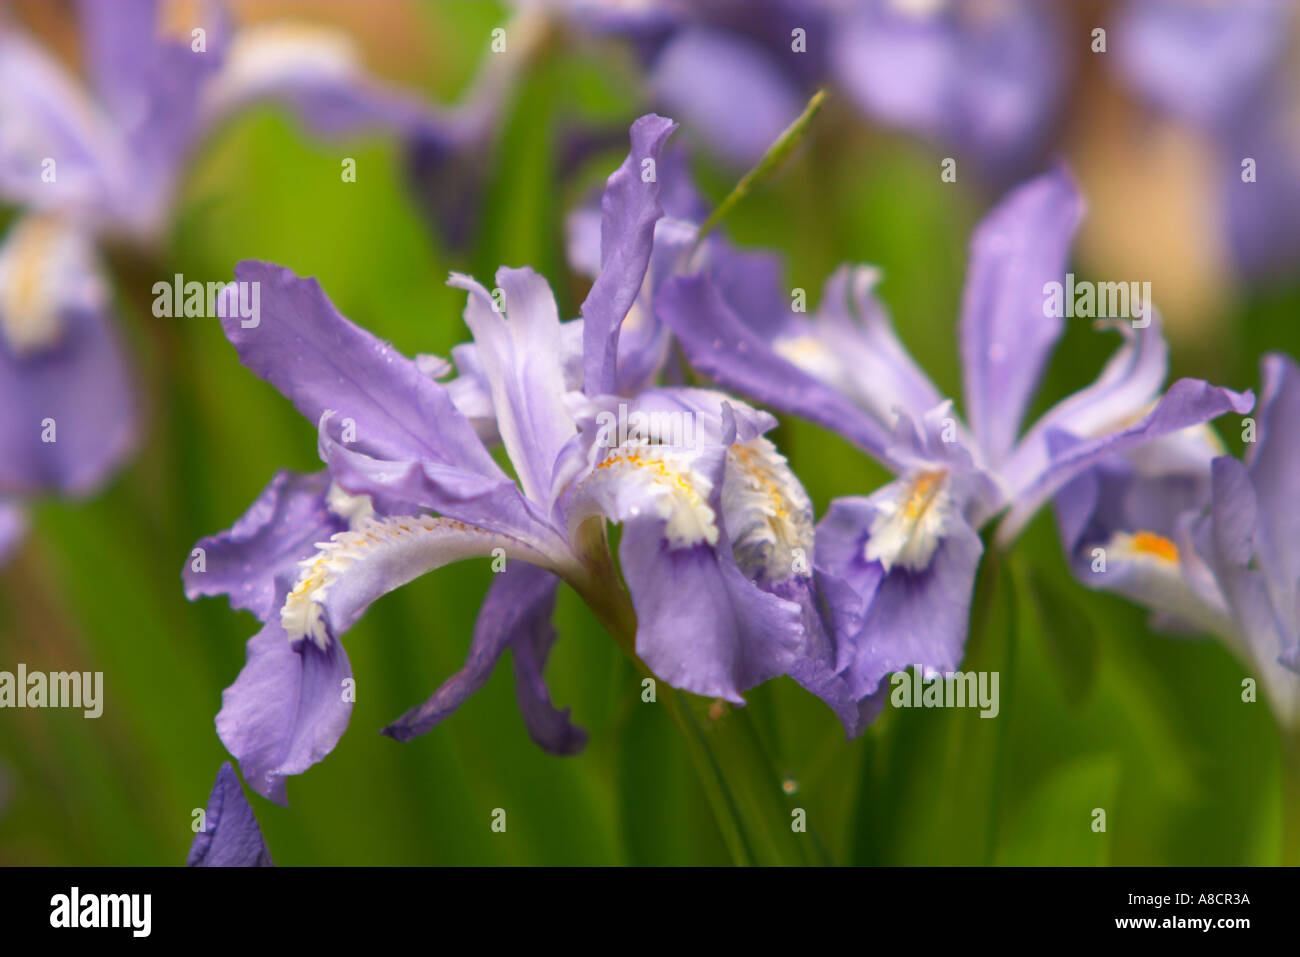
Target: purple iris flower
[(1211, 549), (230, 836), (983, 78), (1222, 68), (908, 554), (716, 532), (104, 161)]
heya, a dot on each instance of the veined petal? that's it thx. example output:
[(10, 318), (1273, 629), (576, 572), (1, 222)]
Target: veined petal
[(916, 610), (404, 486), (524, 371), (321, 361), (722, 347), (1018, 248), (230, 835), (286, 710), (629, 210), (1128, 386), (279, 530), (67, 415), (1188, 402)]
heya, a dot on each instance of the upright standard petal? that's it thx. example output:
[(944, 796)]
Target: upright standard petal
[(629, 210), (524, 372), (230, 836), (724, 348), (1006, 333)]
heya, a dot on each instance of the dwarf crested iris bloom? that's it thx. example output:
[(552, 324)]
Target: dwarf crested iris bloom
[(716, 530), (1221, 67), (230, 835), (105, 161), (908, 554), (1208, 544)]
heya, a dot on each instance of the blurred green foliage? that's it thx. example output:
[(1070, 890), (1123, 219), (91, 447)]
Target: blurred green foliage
[(1097, 711)]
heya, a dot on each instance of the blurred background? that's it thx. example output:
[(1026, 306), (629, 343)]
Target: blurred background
[(1098, 711)]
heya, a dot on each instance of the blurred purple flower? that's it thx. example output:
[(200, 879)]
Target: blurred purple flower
[(1207, 543), (1221, 67), (86, 163), (230, 835), (909, 552)]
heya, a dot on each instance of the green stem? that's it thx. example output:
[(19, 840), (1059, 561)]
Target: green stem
[(772, 160), (1291, 797), (737, 775)]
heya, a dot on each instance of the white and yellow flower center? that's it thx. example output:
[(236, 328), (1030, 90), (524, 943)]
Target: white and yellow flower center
[(677, 493), (767, 512), (912, 521), (375, 556), (44, 267)]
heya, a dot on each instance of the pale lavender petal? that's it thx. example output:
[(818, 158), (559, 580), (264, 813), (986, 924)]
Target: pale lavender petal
[(912, 616), (1199, 61), (724, 348), (279, 530), (524, 371), (1122, 393), (1188, 402), (319, 360), (1006, 339), (230, 835), (979, 79), (286, 710), (67, 414), (629, 210), (1274, 464)]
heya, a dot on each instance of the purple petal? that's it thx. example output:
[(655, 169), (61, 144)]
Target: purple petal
[(67, 416), (724, 348), (1124, 390), (984, 80), (286, 710), (279, 530), (1188, 402), (230, 837), (1274, 464), (320, 360), (629, 210), (516, 613), (1200, 61), (1006, 339), (521, 360), (703, 74), (911, 616)]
